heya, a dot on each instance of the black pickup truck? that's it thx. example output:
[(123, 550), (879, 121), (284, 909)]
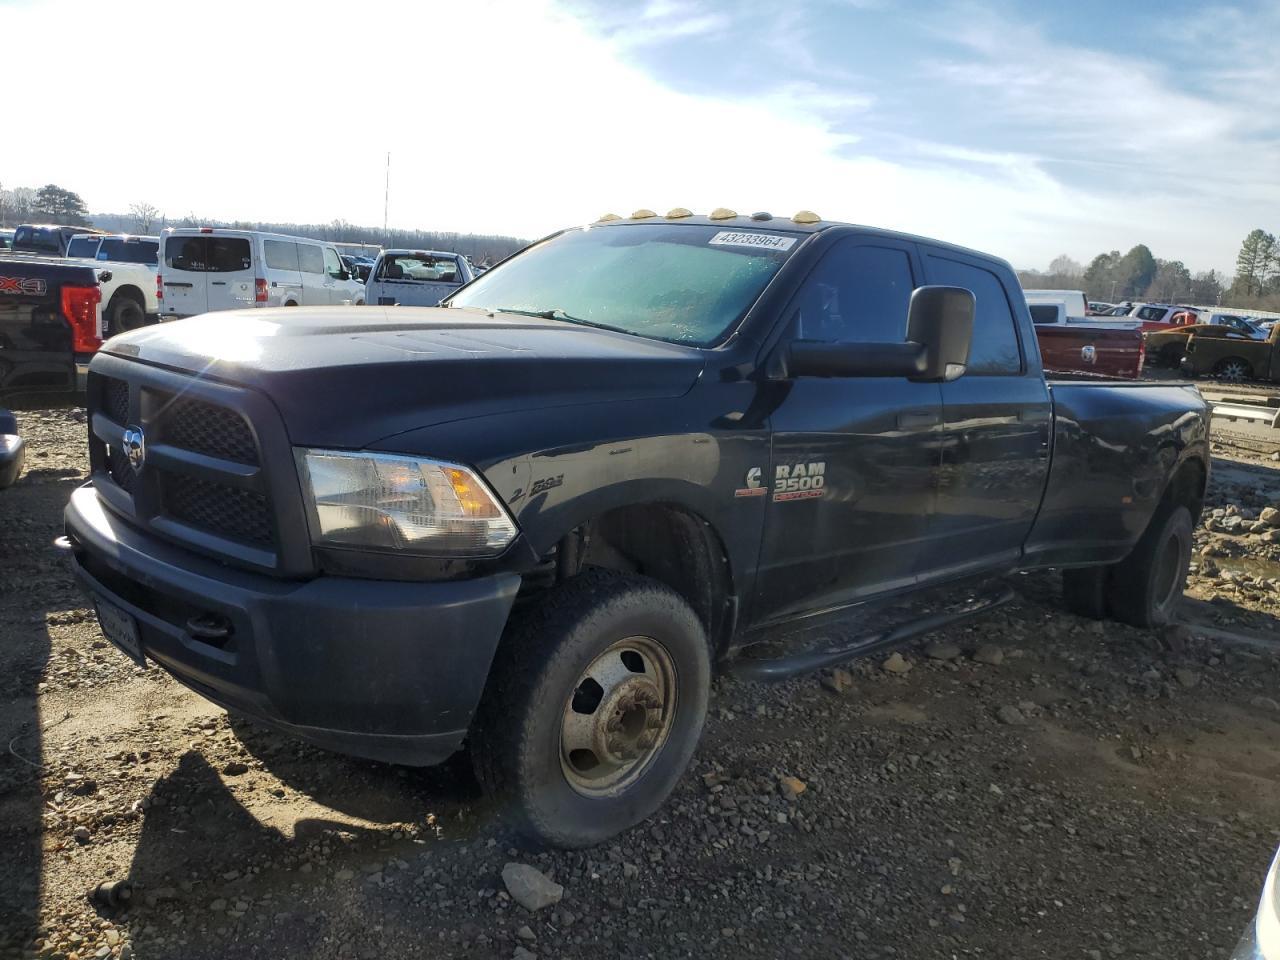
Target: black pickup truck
[(50, 324), (538, 519)]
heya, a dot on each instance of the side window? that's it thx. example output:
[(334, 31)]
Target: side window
[(281, 255), (229, 255), (332, 265), (310, 259), (995, 338), (857, 293)]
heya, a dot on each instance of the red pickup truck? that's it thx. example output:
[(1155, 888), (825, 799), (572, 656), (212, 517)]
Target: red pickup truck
[(1098, 348)]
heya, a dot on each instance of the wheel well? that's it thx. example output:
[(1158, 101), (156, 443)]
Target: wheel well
[(1187, 487), (128, 293), (669, 544)]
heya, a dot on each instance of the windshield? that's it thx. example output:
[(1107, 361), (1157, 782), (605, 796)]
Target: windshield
[(687, 283)]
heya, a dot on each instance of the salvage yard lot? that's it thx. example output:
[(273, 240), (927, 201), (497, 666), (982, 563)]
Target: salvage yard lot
[(1030, 784)]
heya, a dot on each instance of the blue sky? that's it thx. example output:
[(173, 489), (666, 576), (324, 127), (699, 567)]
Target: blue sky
[(1024, 129)]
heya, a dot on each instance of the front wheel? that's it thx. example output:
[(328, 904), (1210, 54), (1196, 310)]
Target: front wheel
[(593, 708)]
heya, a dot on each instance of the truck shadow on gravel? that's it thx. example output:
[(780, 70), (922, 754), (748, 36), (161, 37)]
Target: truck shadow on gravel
[(34, 582)]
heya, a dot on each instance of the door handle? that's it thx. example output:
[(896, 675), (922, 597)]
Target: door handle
[(218, 283), (918, 419)]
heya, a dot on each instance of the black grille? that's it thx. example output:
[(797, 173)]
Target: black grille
[(213, 431), (115, 400), (119, 468), (222, 510)]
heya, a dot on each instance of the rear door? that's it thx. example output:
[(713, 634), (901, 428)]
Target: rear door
[(311, 266), (231, 272), (995, 431), (183, 273), (284, 282)]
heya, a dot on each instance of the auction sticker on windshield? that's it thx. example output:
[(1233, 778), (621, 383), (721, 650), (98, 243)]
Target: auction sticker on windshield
[(768, 241)]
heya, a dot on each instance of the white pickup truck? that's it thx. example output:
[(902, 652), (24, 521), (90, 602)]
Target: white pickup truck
[(129, 292)]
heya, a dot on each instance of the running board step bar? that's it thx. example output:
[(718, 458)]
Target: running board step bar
[(783, 668)]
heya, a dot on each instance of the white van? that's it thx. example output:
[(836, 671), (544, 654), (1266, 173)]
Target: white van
[(210, 268), (1072, 301)]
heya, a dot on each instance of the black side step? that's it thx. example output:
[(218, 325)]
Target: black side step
[(782, 668)]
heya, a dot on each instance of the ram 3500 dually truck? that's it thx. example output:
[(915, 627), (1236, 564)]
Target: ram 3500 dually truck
[(538, 519)]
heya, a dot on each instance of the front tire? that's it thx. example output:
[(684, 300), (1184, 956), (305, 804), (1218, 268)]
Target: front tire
[(593, 708)]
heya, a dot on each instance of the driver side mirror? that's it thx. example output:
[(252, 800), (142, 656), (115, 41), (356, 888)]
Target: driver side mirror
[(939, 331)]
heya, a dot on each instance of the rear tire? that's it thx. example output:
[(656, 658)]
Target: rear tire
[(579, 685), (124, 314), (1233, 370), (1084, 591), (1145, 586)]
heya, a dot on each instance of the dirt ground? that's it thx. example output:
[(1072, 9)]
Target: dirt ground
[(1034, 785)]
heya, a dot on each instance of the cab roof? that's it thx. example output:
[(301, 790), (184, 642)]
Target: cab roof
[(810, 224)]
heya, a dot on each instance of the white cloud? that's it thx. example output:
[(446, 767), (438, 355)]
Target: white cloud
[(513, 116)]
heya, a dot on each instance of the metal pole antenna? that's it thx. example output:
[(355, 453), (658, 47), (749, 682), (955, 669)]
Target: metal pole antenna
[(386, 196)]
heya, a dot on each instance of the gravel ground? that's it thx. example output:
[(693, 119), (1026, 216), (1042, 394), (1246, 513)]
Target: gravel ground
[(1027, 785)]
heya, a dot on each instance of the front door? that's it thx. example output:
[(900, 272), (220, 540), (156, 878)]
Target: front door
[(995, 433), (855, 460), (311, 267)]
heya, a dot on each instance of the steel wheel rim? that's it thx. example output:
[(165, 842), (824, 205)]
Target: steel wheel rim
[(1233, 371), (618, 717)]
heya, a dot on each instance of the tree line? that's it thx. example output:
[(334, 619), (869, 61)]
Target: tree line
[(1137, 275)]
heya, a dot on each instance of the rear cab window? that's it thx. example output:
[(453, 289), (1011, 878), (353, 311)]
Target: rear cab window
[(83, 248), (38, 238), (1043, 313), (121, 250), (418, 266)]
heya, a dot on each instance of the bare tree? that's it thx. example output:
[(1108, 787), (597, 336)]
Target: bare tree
[(1064, 266), (144, 215)]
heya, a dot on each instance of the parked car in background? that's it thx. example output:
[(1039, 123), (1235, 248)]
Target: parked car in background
[(1076, 345), (1161, 316), (358, 267), (129, 288), (6, 240), (50, 323), (1099, 309), (204, 269), (419, 278), (1234, 359), (1165, 348), (12, 450), (1073, 301), (46, 240), (1236, 321), (538, 521)]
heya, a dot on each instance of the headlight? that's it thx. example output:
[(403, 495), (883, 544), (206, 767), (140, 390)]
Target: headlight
[(388, 502)]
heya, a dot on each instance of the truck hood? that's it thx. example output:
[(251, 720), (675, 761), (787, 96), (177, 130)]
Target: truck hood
[(350, 376)]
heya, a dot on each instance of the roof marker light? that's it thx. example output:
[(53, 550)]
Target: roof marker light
[(679, 213), (806, 216), (762, 215), (607, 217), (643, 214), (721, 213)]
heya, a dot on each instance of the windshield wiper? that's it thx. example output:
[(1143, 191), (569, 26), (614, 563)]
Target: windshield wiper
[(555, 314)]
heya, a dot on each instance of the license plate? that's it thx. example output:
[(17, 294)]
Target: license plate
[(121, 629)]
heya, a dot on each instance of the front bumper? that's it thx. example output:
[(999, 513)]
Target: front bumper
[(387, 670)]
